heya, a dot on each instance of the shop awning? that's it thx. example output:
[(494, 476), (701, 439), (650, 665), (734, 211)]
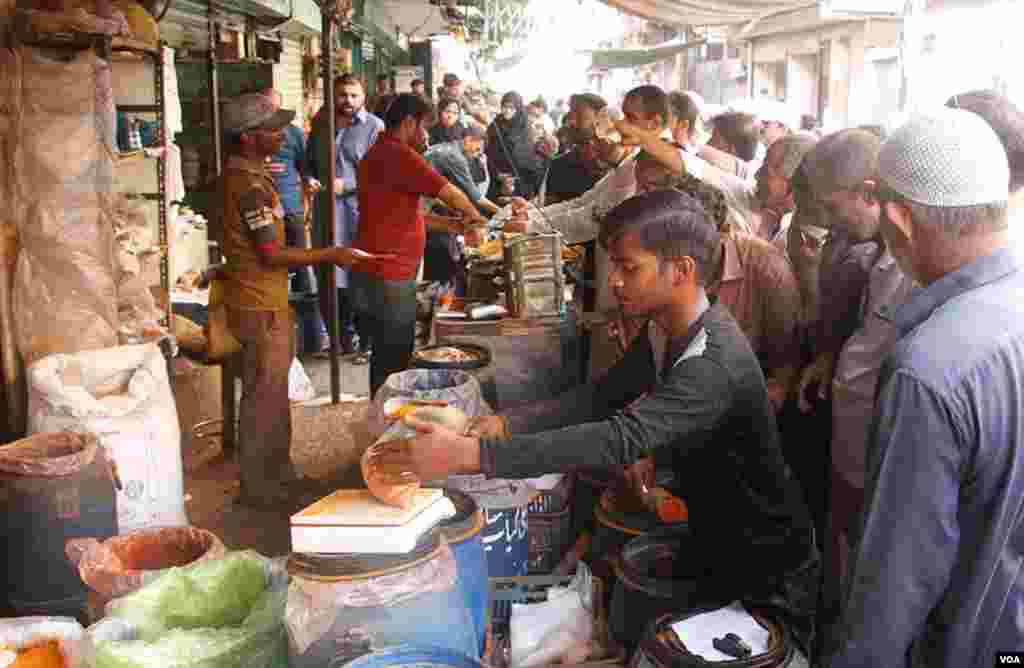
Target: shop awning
[(729, 12), (705, 12), (612, 58)]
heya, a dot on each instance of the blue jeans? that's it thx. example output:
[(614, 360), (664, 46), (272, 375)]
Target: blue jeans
[(388, 309)]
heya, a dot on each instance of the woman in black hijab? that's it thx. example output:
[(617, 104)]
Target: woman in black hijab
[(510, 151)]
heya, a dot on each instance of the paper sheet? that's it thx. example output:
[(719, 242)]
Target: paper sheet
[(698, 632)]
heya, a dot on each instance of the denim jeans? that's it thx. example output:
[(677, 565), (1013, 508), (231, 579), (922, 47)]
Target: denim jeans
[(388, 311)]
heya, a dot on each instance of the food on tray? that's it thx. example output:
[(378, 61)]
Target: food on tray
[(447, 355)]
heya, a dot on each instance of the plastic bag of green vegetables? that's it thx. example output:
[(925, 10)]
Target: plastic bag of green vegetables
[(223, 614)]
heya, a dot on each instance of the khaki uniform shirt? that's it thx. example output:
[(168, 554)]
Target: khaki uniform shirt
[(252, 216)]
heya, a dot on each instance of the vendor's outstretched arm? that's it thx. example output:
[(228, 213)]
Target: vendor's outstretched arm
[(678, 413)]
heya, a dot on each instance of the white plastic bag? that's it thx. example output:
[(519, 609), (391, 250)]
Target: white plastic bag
[(25, 632), (123, 396), (300, 387), (457, 388), (561, 627)]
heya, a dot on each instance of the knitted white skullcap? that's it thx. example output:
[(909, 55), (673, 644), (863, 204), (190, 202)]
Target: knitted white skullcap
[(946, 157)]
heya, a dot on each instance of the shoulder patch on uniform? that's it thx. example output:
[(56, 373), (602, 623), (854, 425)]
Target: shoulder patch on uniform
[(256, 209)]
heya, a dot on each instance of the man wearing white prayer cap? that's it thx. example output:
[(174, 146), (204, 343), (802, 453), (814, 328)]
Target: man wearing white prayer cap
[(937, 579)]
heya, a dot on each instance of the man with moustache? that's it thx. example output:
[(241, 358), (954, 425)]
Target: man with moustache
[(936, 580), (356, 131)]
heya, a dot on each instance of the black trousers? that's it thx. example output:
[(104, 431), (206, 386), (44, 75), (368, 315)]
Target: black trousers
[(387, 311)]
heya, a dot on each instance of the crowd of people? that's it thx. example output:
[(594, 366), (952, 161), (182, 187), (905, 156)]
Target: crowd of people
[(820, 334)]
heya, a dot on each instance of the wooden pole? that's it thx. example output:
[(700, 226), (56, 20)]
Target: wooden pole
[(327, 53)]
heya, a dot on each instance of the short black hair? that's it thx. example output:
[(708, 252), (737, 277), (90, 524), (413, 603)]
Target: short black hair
[(348, 79), (383, 77), (407, 105), (740, 130), (417, 82), (670, 224), (652, 99), (1006, 119), (684, 107)]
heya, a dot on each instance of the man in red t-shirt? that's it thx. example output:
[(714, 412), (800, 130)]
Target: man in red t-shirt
[(392, 178)]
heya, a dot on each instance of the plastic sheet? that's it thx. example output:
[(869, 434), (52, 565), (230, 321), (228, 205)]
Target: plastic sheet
[(126, 563), (457, 388), (221, 614), (58, 153), (49, 455), (315, 607), (26, 632)]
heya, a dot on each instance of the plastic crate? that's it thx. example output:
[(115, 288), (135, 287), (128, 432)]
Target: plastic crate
[(556, 499), (534, 589)]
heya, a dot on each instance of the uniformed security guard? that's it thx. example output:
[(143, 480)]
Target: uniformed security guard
[(256, 293)]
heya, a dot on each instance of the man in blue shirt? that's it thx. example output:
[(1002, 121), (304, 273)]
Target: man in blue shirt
[(453, 160), (937, 579), (356, 131), (291, 178)]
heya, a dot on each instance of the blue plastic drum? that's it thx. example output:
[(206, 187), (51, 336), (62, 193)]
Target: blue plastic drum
[(463, 533)]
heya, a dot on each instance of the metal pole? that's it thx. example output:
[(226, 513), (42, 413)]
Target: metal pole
[(327, 53), (214, 29)]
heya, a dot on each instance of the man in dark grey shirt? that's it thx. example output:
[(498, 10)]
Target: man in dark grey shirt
[(690, 392), (937, 578)]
